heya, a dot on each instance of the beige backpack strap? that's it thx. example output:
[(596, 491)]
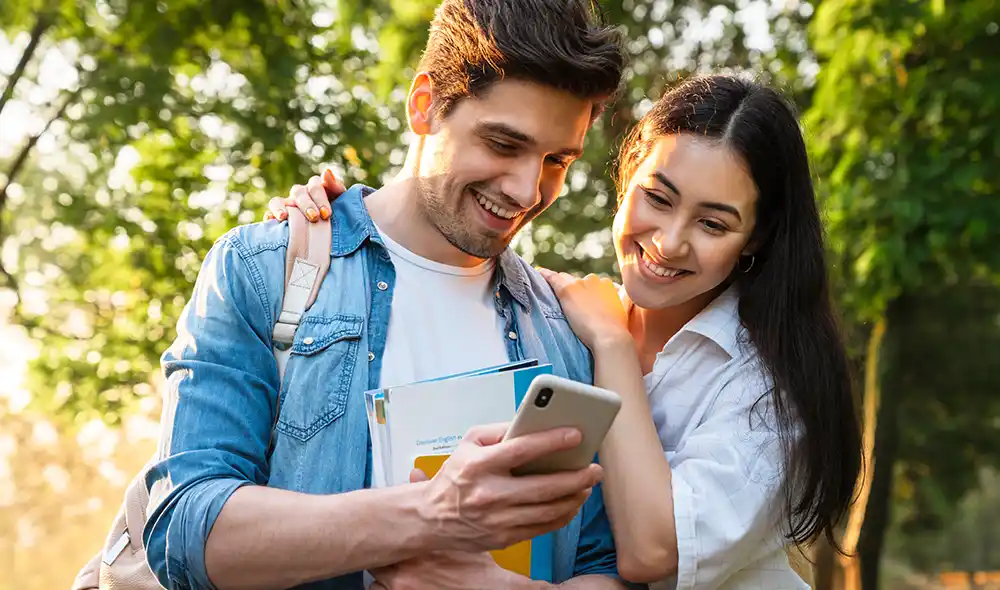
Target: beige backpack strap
[(122, 562), (306, 263)]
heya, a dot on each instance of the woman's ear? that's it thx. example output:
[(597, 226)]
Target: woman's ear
[(752, 246), (419, 104)]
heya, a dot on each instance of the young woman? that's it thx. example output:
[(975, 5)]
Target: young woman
[(738, 433)]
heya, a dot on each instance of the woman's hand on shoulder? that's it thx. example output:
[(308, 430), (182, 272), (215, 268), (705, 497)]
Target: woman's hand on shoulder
[(312, 198), (593, 307)]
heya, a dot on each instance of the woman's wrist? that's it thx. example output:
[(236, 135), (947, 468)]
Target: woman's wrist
[(612, 341)]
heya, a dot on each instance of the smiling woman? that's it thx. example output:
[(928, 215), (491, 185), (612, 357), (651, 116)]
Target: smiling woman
[(737, 405), (686, 214)]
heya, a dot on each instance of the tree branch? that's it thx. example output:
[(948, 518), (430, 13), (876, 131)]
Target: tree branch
[(10, 281), (22, 156), (37, 32), (15, 169)]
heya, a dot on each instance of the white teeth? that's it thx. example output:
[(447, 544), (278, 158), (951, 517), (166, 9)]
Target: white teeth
[(658, 270), (494, 208)]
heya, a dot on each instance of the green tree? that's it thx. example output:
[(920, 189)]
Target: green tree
[(904, 125), (183, 118), (179, 120)]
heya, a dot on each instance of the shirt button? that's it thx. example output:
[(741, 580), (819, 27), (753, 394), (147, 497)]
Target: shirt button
[(307, 340), (371, 356), (512, 335), (382, 285)]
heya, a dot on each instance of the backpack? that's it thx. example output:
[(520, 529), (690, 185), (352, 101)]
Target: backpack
[(121, 564)]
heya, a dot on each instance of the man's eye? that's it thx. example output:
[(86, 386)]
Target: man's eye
[(500, 147), (561, 162)]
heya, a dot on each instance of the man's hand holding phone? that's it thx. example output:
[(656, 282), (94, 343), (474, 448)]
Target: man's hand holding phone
[(476, 504)]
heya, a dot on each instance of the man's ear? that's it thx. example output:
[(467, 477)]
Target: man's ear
[(419, 104)]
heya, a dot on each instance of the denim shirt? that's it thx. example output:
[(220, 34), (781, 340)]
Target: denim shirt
[(223, 390)]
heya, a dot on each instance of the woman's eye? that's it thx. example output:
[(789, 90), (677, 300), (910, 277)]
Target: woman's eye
[(655, 199), (714, 226)]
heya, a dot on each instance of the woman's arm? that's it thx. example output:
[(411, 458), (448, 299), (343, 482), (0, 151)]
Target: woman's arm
[(710, 507), (637, 482)]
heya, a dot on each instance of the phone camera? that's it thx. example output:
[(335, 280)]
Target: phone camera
[(543, 397)]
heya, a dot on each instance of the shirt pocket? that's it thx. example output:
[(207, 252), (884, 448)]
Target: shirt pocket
[(319, 374)]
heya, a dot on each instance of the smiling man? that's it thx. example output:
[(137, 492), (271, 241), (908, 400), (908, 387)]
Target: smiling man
[(421, 284)]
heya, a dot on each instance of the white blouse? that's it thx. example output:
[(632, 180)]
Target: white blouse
[(726, 461)]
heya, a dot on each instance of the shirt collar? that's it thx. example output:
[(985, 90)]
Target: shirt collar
[(352, 225), (720, 322), (512, 275)]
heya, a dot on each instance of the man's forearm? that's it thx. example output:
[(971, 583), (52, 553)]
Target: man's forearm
[(589, 582), (593, 582), (267, 538)]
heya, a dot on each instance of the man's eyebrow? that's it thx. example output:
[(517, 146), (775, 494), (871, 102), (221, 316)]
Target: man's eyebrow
[(520, 136), (722, 207), (505, 129), (571, 152)]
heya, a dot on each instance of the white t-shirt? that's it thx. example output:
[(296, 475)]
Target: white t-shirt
[(443, 319)]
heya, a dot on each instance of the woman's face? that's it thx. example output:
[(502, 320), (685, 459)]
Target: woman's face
[(685, 219)]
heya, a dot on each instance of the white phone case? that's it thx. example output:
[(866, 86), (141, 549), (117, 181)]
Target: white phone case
[(590, 409)]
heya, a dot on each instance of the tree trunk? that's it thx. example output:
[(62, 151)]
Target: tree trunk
[(879, 513), (41, 25), (845, 572)]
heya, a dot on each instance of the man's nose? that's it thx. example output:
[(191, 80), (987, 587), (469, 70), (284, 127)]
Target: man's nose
[(523, 182)]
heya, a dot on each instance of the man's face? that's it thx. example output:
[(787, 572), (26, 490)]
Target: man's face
[(498, 160)]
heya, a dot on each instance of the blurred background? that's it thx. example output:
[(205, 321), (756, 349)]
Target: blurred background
[(134, 132)]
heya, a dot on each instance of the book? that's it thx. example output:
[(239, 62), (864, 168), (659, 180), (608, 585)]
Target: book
[(418, 426)]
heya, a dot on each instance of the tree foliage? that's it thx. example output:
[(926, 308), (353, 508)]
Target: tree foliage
[(903, 128), (181, 118)]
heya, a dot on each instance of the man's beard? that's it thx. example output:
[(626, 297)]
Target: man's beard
[(452, 224)]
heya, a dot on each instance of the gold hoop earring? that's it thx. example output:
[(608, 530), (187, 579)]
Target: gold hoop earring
[(739, 265)]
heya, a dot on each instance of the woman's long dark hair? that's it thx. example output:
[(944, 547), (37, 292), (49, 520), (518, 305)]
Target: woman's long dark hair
[(785, 297)]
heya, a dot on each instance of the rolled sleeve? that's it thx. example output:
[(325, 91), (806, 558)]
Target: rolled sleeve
[(726, 480), (219, 407), (596, 549)]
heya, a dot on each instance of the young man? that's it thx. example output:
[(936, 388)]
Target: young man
[(421, 284)]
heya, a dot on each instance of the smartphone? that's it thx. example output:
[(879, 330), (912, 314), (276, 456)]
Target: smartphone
[(554, 402)]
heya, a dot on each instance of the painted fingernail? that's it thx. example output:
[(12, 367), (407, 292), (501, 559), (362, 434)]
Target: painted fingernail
[(324, 212), (312, 214), (268, 216), (283, 215)]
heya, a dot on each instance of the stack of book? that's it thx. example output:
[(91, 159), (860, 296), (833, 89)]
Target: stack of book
[(418, 425)]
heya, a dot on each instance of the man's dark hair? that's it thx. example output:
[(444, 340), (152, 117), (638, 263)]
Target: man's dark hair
[(564, 44)]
